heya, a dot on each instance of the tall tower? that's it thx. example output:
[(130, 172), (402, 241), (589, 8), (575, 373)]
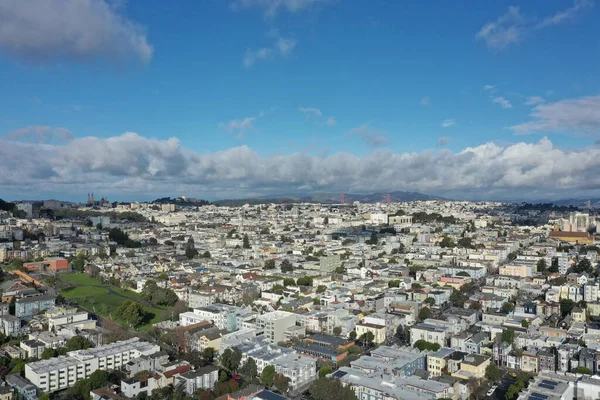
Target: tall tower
[(388, 199), (342, 198)]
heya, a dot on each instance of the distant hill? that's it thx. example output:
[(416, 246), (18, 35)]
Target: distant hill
[(332, 198)]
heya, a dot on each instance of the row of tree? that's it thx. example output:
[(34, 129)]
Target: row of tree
[(159, 296)]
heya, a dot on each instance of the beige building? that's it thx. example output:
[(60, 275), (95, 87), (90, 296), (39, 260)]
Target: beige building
[(378, 331), (521, 271), (473, 366)]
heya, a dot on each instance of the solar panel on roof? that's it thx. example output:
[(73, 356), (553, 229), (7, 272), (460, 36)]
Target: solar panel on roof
[(547, 382), (339, 374), (538, 396), (545, 386)]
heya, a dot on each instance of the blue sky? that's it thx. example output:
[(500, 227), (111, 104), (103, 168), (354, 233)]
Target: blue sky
[(286, 77)]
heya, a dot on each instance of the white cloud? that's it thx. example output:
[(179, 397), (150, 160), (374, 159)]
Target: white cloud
[(426, 101), (506, 30), (533, 100), (331, 121), (502, 101), (41, 31), (282, 46), (372, 137), (566, 15), (448, 123), (442, 141), (245, 124), (128, 164), (310, 111), (272, 7), (285, 45), (488, 87), (578, 116), (512, 27), (252, 56), (40, 134)]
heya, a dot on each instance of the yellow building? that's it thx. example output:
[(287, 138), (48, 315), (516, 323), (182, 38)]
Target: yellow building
[(210, 340), (436, 361), (573, 237), (521, 271), (578, 314), (553, 332), (6, 393), (529, 362), (473, 366), (593, 309), (378, 331)]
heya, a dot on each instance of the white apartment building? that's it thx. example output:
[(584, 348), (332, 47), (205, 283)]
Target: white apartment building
[(62, 372), (429, 333), (275, 323), (300, 370), (197, 300), (223, 316)]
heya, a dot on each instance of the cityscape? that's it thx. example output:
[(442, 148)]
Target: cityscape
[(299, 200)]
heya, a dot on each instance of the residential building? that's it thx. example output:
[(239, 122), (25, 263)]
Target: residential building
[(62, 372), (201, 378), (275, 323)]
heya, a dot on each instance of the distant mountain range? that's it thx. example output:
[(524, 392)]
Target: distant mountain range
[(333, 198)]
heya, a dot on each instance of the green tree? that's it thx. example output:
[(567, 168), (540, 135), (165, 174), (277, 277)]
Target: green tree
[(148, 290), (286, 266), (330, 389), (465, 242), (78, 264), (394, 283), (492, 373), (246, 242), (267, 375), (304, 281), (508, 307), (425, 345), (367, 338), (269, 264), (352, 335), (424, 313), (223, 376), (446, 242), (324, 371), (281, 382), (541, 266), (430, 301), (208, 353), (48, 353), (582, 370), (249, 369), (508, 336), (131, 312), (98, 379), (289, 282), (77, 343), (337, 331), (566, 306), (321, 288), (81, 390), (191, 252)]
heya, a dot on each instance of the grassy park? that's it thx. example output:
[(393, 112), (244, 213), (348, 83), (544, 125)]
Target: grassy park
[(104, 299)]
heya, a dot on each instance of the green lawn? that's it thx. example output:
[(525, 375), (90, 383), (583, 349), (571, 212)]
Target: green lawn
[(104, 299)]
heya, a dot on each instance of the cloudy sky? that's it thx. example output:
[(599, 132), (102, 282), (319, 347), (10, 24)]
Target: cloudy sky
[(235, 98)]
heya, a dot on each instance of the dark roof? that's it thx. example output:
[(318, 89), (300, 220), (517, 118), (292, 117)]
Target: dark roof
[(268, 395), (331, 340)]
